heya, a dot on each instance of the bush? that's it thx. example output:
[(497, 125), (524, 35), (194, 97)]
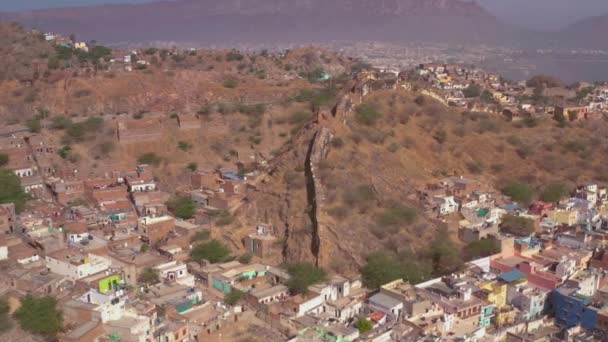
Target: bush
[(33, 125), (445, 256), (234, 55), (203, 235), (482, 248), (441, 136), (381, 268), (359, 195), (517, 225), (475, 167), (184, 146), (337, 142), (397, 215), (302, 275), (518, 191), (78, 132), (11, 190), (299, 118), (367, 114), (192, 166), (105, 148), (231, 83), (339, 212), (317, 97), (245, 258), (233, 297), (213, 251), (39, 315), (553, 192), (150, 158), (5, 322), (182, 207), (61, 122), (473, 90), (364, 325), (148, 276), (3, 159)]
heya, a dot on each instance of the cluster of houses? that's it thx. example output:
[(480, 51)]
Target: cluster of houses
[(549, 283), (88, 239), (452, 84)]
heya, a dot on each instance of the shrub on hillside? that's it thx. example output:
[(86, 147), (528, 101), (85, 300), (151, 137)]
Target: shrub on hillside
[(150, 158), (182, 207), (367, 114), (518, 191), (213, 251), (302, 275), (517, 225), (396, 216)]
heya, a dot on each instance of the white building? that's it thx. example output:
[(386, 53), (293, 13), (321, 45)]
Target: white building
[(76, 265), (446, 205), (177, 272)]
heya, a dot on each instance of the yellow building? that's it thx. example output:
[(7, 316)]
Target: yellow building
[(495, 292), (569, 217), (504, 316), (444, 79)]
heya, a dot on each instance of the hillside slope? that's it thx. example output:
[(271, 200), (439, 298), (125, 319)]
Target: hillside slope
[(345, 187)]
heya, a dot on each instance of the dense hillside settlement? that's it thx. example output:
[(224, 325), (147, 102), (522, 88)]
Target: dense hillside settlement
[(214, 195)]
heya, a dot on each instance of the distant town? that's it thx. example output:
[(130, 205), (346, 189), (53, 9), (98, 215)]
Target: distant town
[(128, 258)]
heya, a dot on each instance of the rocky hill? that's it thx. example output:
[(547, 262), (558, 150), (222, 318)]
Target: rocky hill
[(273, 21), (346, 184), (346, 156)]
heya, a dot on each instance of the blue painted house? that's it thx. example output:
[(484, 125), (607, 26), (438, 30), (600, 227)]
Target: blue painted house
[(572, 308)]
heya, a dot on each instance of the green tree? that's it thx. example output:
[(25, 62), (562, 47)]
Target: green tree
[(61, 122), (182, 207), (383, 267), (39, 315), (203, 235), (367, 114), (487, 97), (11, 190), (233, 297), (148, 276), (245, 258), (184, 146), (33, 125), (519, 192), (473, 90), (193, 166), (231, 83), (5, 321), (397, 215), (213, 251), (481, 248), (3, 159), (553, 192), (364, 325), (302, 275), (444, 254), (517, 225), (380, 268), (150, 158)]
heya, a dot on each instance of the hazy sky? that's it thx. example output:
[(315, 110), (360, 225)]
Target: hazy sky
[(539, 14)]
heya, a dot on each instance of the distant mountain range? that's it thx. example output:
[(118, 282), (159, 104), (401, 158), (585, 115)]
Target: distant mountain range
[(229, 22), (590, 33)]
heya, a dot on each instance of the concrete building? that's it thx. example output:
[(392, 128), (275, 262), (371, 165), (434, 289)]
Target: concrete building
[(74, 265)]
